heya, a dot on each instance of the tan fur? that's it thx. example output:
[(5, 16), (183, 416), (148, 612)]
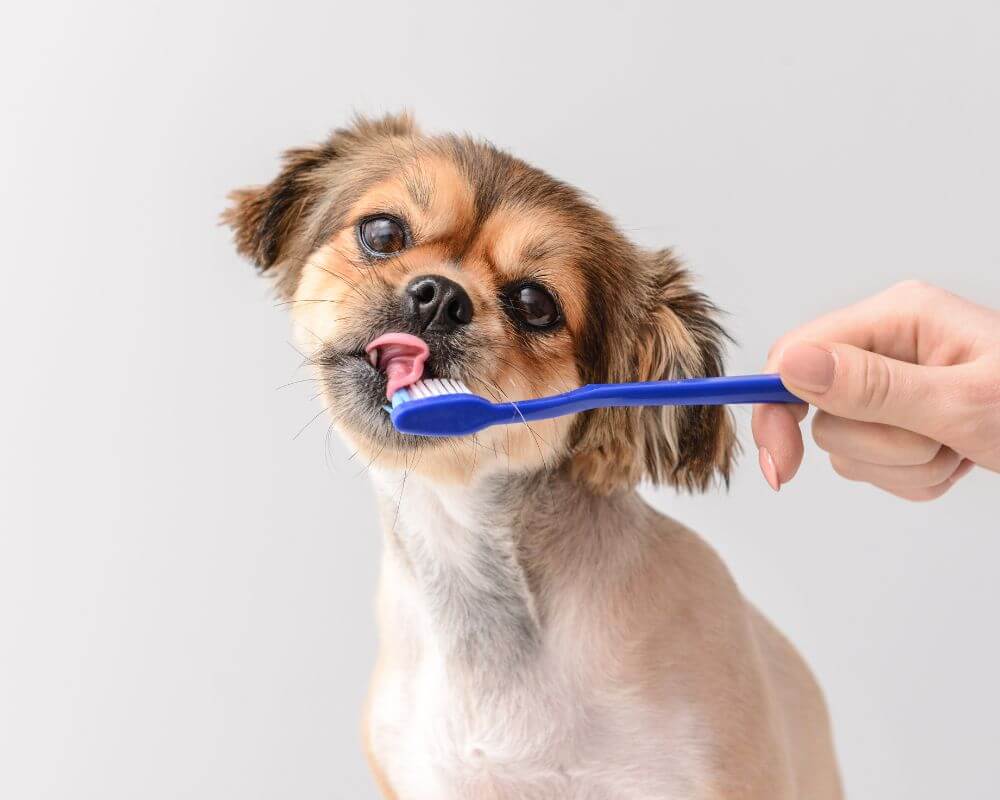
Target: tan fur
[(674, 336), (333, 277)]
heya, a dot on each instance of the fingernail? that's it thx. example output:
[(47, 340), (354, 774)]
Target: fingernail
[(808, 366), (767, 467), (963, 469)]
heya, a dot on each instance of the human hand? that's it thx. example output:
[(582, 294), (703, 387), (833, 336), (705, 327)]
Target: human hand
[(907, 384)]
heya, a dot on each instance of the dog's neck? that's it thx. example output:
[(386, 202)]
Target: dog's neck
[(488, 559)]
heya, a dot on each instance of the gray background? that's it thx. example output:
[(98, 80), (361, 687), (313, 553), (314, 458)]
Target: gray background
[(185, 586)]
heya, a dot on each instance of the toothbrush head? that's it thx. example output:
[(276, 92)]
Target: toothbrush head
[(440, 407)]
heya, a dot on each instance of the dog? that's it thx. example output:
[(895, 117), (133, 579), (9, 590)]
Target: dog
[(544, 633)]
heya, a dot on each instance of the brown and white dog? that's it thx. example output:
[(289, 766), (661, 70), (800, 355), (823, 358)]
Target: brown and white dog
[(544, 632)]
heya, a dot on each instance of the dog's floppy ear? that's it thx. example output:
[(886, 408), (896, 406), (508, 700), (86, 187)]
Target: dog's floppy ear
[(266, 219), (670, 331), (263, 217)]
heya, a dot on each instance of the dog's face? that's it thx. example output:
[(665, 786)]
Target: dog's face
[(403, 255)]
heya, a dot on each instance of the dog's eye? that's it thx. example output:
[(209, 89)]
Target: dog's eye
[(533, 306), (382, 236)]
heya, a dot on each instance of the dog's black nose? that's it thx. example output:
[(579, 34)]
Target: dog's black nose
[(437, 303)]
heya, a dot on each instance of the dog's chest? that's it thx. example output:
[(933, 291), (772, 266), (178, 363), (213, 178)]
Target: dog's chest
[(436, 740), (480, 700), (439, 741)]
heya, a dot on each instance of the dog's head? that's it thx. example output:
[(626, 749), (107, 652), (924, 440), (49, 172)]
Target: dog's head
[(383, 240)]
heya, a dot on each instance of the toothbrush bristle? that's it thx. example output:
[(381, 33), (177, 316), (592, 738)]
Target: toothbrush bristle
[(435, 387)]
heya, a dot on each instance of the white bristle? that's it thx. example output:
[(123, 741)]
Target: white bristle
[(433, 387)]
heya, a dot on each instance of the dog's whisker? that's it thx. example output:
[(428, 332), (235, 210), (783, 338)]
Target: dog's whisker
[(371, 461), (295, 383), (303, 356), (328, 447), (351, 284), (537, 437), (402, 488), (313, 302), (528, 380), (318, 414), (475, 453)]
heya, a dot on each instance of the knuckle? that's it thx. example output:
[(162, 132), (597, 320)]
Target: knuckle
[(876, 383), (914, 287), (821, 432), (976, 414), (843, 467), (776, 348), (918, 294), (926, 450), (920, 449), (940, 469), (924, 495), (981, 393)]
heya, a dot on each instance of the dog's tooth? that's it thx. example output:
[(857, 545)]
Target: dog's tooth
[(373, 357)]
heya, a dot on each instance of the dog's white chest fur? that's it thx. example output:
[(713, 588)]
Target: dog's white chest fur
[(437, 741), (483, 702)]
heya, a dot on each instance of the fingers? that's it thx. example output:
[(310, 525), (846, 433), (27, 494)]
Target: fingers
[(850, 382), (778, 438), (923, 494), (918, 476), (884, 411), (872, 442), (777, 435)]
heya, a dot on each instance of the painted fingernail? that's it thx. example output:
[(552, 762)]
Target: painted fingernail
[(808, 366), (768, 469), (963, 469)]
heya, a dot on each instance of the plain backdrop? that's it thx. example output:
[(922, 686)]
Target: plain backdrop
[(187, 562)]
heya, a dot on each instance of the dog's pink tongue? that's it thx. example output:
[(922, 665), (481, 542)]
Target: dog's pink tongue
[(401, 357)]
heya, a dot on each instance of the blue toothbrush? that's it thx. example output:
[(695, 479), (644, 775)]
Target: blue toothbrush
[(442, 407)]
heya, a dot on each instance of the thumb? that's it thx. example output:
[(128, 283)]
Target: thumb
[(857, 384)]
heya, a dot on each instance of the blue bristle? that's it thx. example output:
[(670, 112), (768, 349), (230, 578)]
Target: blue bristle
[(400, 396)]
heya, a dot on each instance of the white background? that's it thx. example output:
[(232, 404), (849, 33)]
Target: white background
[(185, 586)]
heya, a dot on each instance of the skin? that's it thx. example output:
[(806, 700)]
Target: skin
[(907, 390)]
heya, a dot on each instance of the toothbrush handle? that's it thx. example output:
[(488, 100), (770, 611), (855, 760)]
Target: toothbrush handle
[(697, 391), (691, 392)]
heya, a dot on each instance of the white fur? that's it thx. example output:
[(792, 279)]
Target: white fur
[(440, 732)]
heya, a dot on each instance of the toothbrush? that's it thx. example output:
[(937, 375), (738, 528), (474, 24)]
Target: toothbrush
[(443, 407)]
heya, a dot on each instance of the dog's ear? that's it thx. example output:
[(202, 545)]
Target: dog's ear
[(669, 331), (266, 219)]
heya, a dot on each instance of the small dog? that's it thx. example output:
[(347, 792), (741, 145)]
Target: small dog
[(544, 632)]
